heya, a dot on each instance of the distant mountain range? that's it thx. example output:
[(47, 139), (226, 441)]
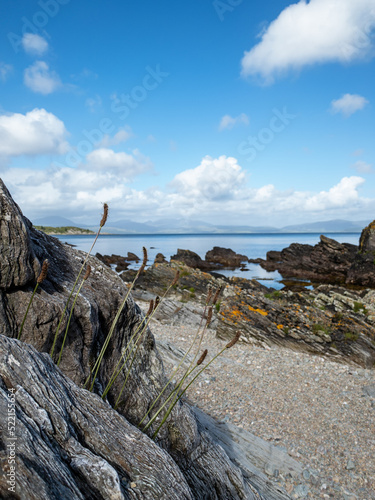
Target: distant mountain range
[(183, 226)]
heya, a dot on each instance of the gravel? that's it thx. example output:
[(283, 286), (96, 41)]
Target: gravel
[(316, 409)]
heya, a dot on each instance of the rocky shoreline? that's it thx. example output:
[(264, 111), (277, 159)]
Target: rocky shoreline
[(61, 453)]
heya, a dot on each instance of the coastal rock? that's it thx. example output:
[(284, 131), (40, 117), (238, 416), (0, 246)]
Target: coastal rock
[(329, 321), (59, 453), (15, 245), (367, 239), (215, 259), (327, 262), (159, 259), (225, 257), (190, 259), (206, 468)]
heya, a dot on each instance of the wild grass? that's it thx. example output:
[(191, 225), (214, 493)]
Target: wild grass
[(129, 355)]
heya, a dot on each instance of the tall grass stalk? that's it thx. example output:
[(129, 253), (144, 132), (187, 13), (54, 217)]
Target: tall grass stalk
[(94, 372), (208, 299), (137, 343), (116, 370), (87, 274), (180, 394), (102, 223), (42, 276)]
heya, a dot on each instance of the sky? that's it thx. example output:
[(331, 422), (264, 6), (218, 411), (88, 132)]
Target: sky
[(230, 112)]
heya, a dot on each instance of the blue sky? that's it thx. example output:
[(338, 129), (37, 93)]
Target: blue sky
[(230, 111)]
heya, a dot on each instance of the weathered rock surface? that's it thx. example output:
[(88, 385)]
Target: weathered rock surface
[(72, 445), (330, 320), (225, 257), (215, 259), (206, 468), (328, 261)]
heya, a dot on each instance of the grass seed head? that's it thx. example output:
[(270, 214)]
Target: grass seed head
[(157, 302), (209, 317), (150, 307), (209, 295), (43, 273), (234, 340), (105, 215), (216, 296), (88, 272), (176, 278), (202, 358)]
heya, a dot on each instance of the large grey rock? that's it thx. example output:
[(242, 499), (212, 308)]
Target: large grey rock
[(206, 468), (15, 247), (72, 445)]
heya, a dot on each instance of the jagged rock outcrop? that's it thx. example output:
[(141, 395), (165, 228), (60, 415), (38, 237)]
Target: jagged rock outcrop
[(329, 320), (225, 257), (190, 259), (205, 467), (59, 453), (215, 259), (327, 262)]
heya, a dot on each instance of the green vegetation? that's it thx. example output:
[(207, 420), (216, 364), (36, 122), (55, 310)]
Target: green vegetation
[(320, 328), (358, 306), (63, 230), (218, 305), (351, 336), (275, 295)]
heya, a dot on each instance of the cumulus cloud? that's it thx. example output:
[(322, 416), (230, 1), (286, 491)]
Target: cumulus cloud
[(36, 132), (122, 164), (227, 122), (214, 179), (216, 190), (319, 31), (40, 79), (34, 44), (348, 104), (5, 70), (344, 193)]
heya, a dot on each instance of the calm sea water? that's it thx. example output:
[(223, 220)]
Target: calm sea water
[(251, 245)]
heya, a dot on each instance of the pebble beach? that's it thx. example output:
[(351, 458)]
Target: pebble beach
[(322, 413)]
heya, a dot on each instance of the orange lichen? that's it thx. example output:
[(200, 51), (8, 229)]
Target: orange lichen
[(259, 311), (280, 327)]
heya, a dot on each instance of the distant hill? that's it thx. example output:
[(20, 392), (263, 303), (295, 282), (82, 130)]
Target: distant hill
[(331, 226), (54, 221), (63, 230), (185, 226)]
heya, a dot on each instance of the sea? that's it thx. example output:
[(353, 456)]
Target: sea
[(251, 245)]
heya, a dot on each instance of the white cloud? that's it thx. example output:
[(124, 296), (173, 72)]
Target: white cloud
[(34, 44), (36, 132), (344, 193), (362, 167), (214, 179), (40, 79), (121, 164), (5, 70), (319, 31), (348, 104), (227, 122), (122, 135), (216, 190)]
